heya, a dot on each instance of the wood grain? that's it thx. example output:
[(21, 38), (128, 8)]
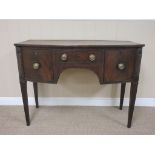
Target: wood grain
[(79, 43), (108, 54)]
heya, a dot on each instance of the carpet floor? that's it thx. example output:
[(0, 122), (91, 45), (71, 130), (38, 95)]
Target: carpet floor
[(76, 120)]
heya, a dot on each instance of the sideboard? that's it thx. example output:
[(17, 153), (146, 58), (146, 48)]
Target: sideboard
[(112, 61)]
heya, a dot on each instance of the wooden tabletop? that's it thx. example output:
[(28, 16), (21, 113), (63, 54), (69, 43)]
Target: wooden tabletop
[(79, 43)]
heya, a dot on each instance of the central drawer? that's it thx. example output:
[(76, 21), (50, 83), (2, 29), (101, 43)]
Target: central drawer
[(84, 58), (80, 56)]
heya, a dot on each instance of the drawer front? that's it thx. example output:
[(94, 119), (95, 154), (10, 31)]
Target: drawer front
[(80, 56), (85, 58), (119, 64), (37, 64)]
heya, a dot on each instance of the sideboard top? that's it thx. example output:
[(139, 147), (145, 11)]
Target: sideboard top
[(79, 43)]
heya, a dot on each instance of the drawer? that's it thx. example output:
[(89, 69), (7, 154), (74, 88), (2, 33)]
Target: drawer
[(80, 56), (119, 64), (37, 64)]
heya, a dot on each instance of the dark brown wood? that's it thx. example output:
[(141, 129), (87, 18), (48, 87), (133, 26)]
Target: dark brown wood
[(47, 55), (113, 57), (123, 85), (35, 87), (23, 85), (20, 62), (79, 43), (78, 55), (137, 64), (78, 58), (45, 59), (134, 85), (133, 92)]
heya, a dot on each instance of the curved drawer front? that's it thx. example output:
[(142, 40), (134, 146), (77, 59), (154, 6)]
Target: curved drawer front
[(38, 64), (84, 56), (119, 64), (110, 64)]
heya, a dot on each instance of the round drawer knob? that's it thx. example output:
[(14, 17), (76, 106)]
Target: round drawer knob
[(64, 57), (36, 65), (92, 57), (121, 66)]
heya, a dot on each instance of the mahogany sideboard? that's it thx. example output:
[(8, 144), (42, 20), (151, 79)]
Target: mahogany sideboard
[(112, 61)]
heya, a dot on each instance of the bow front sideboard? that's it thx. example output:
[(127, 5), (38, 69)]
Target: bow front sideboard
[(112, 61)]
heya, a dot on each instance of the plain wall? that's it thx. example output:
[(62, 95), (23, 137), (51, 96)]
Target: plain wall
[(75, 82)]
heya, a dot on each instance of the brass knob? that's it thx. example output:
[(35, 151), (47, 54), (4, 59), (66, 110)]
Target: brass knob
[(92, 57), (36, 65), (121, 66), (64, 57)]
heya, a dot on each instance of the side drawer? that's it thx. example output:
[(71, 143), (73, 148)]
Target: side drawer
[(119, 64), (38, 64)]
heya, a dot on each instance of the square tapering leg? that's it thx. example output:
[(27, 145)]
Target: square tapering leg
[(133, 92), (23, 85), (35, 87), (123, 85)]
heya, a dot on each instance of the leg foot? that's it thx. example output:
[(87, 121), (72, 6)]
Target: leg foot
[(28, 123)]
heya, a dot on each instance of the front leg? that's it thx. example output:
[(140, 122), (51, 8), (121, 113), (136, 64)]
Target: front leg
[(23, 85), (133, 92)]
